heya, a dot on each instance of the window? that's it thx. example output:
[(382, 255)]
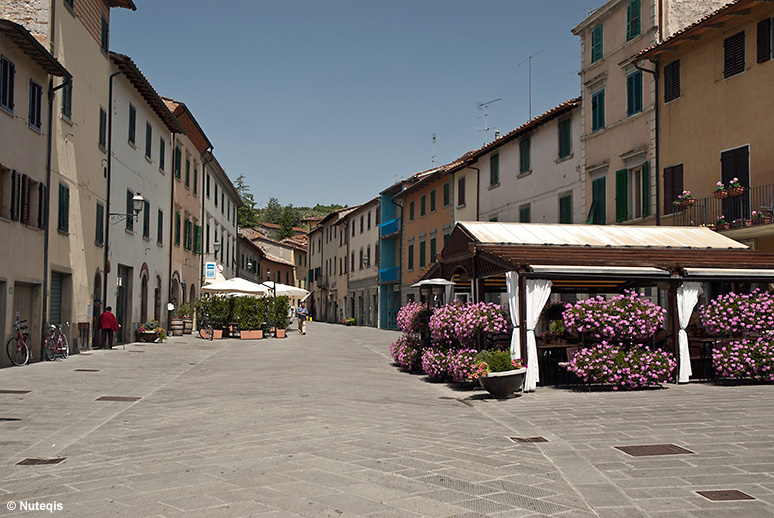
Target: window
[(102, 129), (148, 139), (634, 93), (187, 171), (177, 229), (524, 158), (99, 230), (565, 209), (632, 19), (368, 220), (352, 263), (70, 4), (632, 198), (222, 202), (598, 211), (361, 258), (410, 256), (565, 138), (196, 179), (733, 55), (525, 215), (494, 170), (422, 254), (446, 194), (411, 212), (197, 239), (132, 124), (764, 48), (7, 74), (177, 161), (146, 219), (43, 206), (67, 100), (461, 192), (160, 227), (597, 46), (130, 219), (673, 186), (105, 34), (187, 237), (432, 200), (433, 250), (162, 154), (36, 108), (598, 110), (422, 206), (63, 222), (672, 81), (361, 223), (208, 185), (216, 194)]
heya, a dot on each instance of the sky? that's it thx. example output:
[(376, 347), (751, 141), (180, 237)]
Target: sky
[(334, 101)]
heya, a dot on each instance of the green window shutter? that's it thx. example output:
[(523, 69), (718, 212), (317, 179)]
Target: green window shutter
[(177, 228), (599, 195), (598, 111), (494, 170), (64, 208), (634, 93), (633, 19), (433, 250), (422, 206), (411, 211), (565, 209), (524, 159), (198, 239), (446, 194), (525, 215), (597, 45), (177, 159), (422, 254), (196, 181), (411, 257), (565, 146), (592, 213), (621, 195), (132, 123), (432, 200), (645, 190)]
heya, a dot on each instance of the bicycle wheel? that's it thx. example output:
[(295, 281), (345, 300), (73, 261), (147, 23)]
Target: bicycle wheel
[(65, 347), (17, 352), (50, 347), (210, 332)]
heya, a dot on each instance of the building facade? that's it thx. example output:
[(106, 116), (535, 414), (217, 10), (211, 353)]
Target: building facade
[(361, 269), (221, 201)]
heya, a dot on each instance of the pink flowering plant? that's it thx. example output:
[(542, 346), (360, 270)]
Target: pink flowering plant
[(406, 352), (483, 317), (739, 314), (623, 367), (461, 363), (413, 318), (443, 323), (745, 358), (624, 317), (435, 363), (493, 360)]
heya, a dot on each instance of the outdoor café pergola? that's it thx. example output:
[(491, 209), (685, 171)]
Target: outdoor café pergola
[(529, 261)]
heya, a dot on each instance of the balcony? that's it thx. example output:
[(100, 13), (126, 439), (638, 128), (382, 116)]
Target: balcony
[(390, 229), (389, 275), (737, 211)]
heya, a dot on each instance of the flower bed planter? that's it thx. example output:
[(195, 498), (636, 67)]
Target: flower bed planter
[(281, 333), (147, 336), (503, 384), (255, 334)]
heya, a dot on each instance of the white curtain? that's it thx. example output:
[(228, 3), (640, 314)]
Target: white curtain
[(448, 294), (538, 292), (687, 297), (512, 283)]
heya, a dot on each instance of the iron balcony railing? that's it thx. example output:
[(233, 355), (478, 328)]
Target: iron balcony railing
[(389, 227), (749, 207), (389, 275)]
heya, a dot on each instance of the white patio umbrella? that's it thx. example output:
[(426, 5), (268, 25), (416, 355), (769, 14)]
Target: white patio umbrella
[(283, 289), (236, 286)]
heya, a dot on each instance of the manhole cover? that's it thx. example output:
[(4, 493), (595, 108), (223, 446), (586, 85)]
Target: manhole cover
[(653, 449), (86, 370), (721, 495), (528, 439), (15, 391), (117, 398), (36, 462)]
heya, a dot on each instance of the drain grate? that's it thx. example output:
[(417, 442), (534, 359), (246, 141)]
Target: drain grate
[(86, 370), (528, 439), (38, 462), (117, 398), (15, 391), (653, 449), (722, 495)]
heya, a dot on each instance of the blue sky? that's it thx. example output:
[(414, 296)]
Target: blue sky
[(332, 101)]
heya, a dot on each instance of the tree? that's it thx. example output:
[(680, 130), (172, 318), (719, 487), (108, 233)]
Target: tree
[(247, 214), (290, 218), (273, 212)]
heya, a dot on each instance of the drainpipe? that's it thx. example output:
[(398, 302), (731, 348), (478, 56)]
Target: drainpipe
[(44, 319), (108, 171), (656, 161), (171, 229)]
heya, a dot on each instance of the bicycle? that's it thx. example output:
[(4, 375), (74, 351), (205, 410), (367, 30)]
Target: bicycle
[(56, 342), (205, 328), (18, 347)]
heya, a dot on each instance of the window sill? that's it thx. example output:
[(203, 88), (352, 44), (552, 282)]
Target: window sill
[(99, 245), (129, 231), (63, 232), (35, 129), (132, 144), (7, 111), (65, 119), (495, 186), (461, 206), (146, 239), (564, 159), (524, 175), (148, 159)]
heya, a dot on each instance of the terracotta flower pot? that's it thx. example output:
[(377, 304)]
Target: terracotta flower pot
[(255, 334), (281, 333)]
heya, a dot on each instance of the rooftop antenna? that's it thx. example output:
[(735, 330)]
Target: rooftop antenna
[(529, 59), (433, 156), (485, 106)]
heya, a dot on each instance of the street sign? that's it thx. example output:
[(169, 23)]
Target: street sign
[(210, 271)]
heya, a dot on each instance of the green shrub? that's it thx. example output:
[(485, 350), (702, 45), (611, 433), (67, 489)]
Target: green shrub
[(280, 312), (498, 361)]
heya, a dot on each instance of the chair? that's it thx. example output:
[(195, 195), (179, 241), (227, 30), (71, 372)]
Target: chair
[(571, 352)]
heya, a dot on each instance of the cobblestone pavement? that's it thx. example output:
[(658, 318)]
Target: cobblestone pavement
[(324, 425)]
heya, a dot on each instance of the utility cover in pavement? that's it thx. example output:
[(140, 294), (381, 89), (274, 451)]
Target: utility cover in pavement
[(725, 494), (653, 449)]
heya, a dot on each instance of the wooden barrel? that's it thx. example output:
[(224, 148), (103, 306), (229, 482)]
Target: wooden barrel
[(187, 325), (177, 327)]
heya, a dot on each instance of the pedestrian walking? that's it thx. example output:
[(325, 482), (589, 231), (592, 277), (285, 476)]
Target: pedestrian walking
[(302, 313), (109, 325)]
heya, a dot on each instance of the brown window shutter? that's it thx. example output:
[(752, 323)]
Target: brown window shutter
[(43, 206), (15, 195), (668, 190), (764, 40), (25, 199)]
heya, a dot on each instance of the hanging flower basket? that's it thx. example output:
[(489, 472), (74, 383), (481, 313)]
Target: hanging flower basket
[(687, 203), (720, 194), (735, 191)]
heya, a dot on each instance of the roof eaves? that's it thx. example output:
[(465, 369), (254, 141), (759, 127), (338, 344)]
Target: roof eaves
[(33, 48), (180, 106)]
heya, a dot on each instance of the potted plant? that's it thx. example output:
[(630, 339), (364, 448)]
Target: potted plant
[(249, 317), (498, 373), (721, 223), (473, 320), (280, 315), (623, 367), (735, 188), (221, 313), (185, 311), (685, 199), (759, 218), (720, 191), (150, 332)]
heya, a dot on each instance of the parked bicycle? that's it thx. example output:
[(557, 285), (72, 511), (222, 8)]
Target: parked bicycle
[(19, 347), (205, 327), (56, 342)]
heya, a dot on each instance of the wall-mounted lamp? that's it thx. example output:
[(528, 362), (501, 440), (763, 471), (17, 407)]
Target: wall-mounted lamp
[(137, 204)]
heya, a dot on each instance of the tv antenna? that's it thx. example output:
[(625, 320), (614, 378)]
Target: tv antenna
[(485, 106), (529, 59), (433, 156)]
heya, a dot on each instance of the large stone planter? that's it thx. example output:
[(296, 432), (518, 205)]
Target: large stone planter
[(503, 384), (147, 336)]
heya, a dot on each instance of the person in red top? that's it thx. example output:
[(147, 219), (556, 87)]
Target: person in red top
[(109, 325)]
